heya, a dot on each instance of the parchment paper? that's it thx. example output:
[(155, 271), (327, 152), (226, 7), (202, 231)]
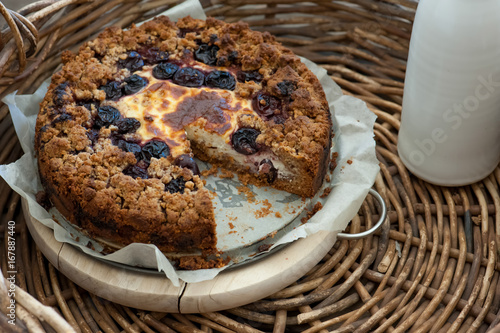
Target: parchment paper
[(353, 127)]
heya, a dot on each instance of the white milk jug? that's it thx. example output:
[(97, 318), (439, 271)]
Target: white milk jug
[(450, 126)]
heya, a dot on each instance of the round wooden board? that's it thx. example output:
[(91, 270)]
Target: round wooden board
[(154, 292)]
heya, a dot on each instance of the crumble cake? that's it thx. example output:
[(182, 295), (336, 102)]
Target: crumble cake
[(122, 121)]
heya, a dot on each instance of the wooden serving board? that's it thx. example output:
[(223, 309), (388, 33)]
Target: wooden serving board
[(154, 292)]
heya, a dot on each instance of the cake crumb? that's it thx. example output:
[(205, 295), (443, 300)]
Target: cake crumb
[(247, 192), (231, 226), (349, 162), (91, 246), (226, 174), (278, 215), (333, 161), (244, 179), (264, 211), (209, 172), (476, 220), (457, 199), (264, 247), (326, 192), (317, 207)]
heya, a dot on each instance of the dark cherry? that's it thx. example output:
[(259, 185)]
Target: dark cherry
[(134, 83), (61, 118), (130, 147), (113, 90), (213, 38), (88, 104), (286, 88), (127, 125), (189, 77), (186, 161), (46, 127), (220, 79), (233, 55), (153, 55), (155, 148), (266, 105), (140, 170), (106, 115), (243, 76), (165, 70), (207, 54), (93, 135), (244, 141), (60, 93), (266, 167), (176, 185), (133, 62)]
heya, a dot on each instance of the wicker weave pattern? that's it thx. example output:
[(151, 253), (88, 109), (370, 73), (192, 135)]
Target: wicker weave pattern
[(432, 268)]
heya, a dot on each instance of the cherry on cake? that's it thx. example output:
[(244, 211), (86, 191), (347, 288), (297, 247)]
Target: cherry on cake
[(122, 122)]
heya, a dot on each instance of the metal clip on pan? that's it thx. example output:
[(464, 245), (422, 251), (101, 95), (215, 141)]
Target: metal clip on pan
[(370, 231)]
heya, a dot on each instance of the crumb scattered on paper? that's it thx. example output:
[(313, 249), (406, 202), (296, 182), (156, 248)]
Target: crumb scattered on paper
[(333, 161), (326, 192), (249, 194), (264, 247), (264, 211), (289, 209), (226, 174), (209, 172), (317, 207)]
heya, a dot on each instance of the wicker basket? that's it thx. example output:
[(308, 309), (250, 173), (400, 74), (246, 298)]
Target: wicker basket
[(432, 267)]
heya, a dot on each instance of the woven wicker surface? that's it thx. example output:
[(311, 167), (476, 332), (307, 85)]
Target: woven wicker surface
[(432, 267)]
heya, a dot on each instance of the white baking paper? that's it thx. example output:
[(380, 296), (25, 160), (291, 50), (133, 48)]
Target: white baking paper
[(356, 170)]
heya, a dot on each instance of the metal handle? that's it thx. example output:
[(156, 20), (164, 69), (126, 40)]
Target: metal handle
[(370, 231)]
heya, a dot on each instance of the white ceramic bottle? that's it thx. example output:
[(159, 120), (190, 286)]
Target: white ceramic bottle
[(450, 126)]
